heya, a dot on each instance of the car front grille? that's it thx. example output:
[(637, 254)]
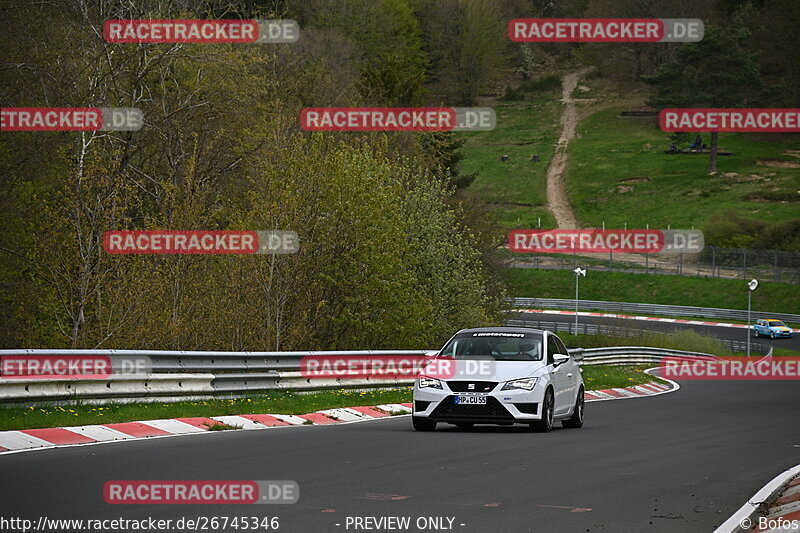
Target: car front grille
[(492, 409), (478, 386)]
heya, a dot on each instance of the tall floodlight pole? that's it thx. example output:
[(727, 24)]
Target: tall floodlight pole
[(751, 286), (578, 272)]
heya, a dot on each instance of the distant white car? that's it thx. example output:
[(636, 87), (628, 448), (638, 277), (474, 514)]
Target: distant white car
[(500, 376)]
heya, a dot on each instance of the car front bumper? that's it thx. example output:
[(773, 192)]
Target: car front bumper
[(501, 407)]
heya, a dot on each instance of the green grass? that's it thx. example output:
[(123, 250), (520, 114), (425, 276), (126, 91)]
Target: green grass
[(280, 402), (516, 187), (679, 192), (654, 289), (609, 377)]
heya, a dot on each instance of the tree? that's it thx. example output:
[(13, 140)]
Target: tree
[(635, 59), (774, 32), (387, 36), (385, 260), (719, 71)]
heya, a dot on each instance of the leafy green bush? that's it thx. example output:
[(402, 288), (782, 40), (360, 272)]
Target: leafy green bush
[(732, 230)]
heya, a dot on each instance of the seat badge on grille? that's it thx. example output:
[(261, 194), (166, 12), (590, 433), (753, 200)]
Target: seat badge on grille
[(471, 386)]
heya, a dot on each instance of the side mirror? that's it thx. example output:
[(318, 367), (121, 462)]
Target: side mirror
[(559, 359)]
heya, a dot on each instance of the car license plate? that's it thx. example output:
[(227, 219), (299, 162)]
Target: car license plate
[(471, 400)]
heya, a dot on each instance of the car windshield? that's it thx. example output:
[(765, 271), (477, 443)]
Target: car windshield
[(497, 345), (776, 324)]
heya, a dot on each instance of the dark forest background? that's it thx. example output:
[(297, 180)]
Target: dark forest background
[(395, 253)]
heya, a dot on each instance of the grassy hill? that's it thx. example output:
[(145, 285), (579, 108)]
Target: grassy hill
[(516, 187), (618, 173)]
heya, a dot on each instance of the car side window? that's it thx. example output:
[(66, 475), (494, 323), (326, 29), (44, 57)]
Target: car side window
[(560, 348), (552, 349)]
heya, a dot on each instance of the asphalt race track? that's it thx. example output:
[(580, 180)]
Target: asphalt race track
[(737, 334), (683, 461)]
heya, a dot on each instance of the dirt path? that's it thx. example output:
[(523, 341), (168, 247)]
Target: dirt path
[(557, 199), (559, 204)]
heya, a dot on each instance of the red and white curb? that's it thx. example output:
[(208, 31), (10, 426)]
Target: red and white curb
[(635, 391), (782, 494), (31, 439), (637, 317)]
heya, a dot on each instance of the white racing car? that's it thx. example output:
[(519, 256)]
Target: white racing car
[(500, 376)]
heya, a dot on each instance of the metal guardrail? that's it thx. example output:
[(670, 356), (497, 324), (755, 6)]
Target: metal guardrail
[(626, 355), (600, 329), (649, 309), (184, 375), (205, 361), (201, 375), (123, 387)]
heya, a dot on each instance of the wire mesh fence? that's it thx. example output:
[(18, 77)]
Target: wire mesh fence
[(713, 262)]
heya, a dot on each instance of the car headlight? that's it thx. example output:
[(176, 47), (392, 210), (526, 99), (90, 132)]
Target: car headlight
[(524, 384), (429, 383)]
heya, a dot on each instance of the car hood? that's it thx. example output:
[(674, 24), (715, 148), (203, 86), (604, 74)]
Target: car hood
[(488, 370)]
